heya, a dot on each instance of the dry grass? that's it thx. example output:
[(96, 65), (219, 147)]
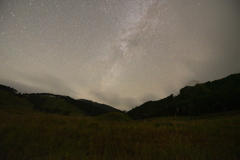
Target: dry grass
[(54, 137)]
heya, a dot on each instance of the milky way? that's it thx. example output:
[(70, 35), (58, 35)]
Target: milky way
[(120, 53)]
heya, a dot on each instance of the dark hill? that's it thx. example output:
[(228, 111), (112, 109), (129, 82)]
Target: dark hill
[(9, 100), (210, 97), (50, 103), (56, 104), (102, 106), (91, 108)]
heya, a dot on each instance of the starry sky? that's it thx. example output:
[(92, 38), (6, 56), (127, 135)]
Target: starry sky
[(118, 52)]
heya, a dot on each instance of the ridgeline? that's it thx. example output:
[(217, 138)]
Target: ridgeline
[(210, 97)]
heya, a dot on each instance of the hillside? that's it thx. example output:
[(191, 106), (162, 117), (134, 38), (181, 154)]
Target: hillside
[(102, 106), (210, 97), (52, 104), (11, 99)]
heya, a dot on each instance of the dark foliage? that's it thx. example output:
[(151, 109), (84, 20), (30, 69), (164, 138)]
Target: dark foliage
[(8, 89), (210, 97)]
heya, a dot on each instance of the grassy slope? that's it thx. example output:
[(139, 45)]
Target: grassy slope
[(52, 103), (45, 136), (13, 103)]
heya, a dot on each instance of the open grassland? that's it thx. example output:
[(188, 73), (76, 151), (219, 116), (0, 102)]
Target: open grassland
[(33, 136)]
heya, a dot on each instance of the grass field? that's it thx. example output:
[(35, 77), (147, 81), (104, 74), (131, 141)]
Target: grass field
[(114, 136)]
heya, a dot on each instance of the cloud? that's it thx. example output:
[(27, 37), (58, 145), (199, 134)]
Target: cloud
[(27, 83), (149, 97), (21, 87), (115, 100), (122, 103)]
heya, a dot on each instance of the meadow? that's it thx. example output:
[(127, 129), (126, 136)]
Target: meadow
[(114, 136)]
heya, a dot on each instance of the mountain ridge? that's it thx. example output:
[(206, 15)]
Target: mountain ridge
[(51, 103), (209, 97)]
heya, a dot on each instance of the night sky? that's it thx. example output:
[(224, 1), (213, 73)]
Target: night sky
[(118, 52)]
